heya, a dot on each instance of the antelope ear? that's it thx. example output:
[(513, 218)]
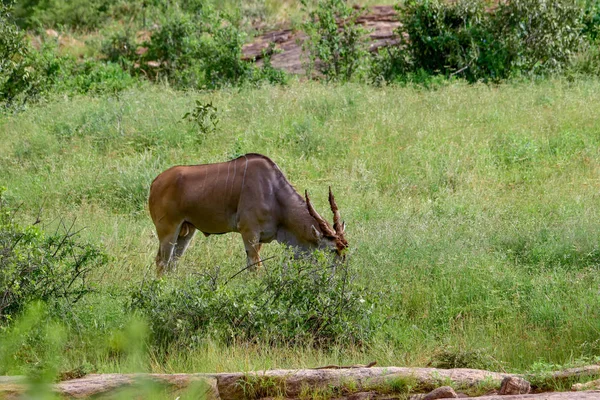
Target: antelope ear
[(343, 226), (318, 235)]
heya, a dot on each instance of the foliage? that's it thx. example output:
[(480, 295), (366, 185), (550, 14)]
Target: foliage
[(13, 51), (587, 62), (26, 74), (222, 54), (203, 50), (336, 51), (291, 302), (591, 20), (444, 37), (93, 77), (464, 38), (119, 47), (539, 36), (35, 265), (204, 116)]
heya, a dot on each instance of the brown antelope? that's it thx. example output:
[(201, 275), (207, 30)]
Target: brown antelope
[(249, 195)]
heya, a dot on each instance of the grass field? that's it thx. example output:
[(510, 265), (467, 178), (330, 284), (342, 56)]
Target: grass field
[(472, 210)]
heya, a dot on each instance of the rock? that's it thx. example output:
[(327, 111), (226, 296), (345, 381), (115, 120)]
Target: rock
[(586, 386), (443, 392), (380, 22), (514, 385), (51, 33)]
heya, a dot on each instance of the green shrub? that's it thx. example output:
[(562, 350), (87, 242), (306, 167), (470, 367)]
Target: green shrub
[(176, 48), (222, 54), (591, 20), (14, 75), (462, 38), (26, 74), (94, 77), (538, 36), (290, 302), (203, 50), (120, 48), (337, 52), (40, 266), (446, 38)]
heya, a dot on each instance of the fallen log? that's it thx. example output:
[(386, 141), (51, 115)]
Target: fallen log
[(352, 383), (294, 383)]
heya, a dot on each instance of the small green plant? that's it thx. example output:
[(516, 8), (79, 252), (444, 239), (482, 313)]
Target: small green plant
[(204, 116), (402, 385), (335, 45), (257, 387), (449, 357)]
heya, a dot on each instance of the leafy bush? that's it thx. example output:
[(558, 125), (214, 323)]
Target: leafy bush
[(27, 74), (290, 302), (14, 76), (337, 52), (591, 20), (35, 265), (539, 36), (464, 38), (175, 50), (445, 37), (91, 76), (203, 50), (222, 54), (120, 48)]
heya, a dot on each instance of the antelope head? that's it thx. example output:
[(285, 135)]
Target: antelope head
[(328, 237)]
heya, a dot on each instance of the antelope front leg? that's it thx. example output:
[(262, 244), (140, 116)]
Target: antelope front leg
[(252, 245)]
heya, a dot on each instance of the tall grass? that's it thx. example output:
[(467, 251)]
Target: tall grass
[(472, 209)]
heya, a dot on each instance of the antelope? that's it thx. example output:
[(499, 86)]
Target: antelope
[(249, 195)]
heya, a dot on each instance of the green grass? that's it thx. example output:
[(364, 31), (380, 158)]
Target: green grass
[(472, 210)]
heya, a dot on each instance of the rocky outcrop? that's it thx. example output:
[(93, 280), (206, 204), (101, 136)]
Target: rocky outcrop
[(286, 50)]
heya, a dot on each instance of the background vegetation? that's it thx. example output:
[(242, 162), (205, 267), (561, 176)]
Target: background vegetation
[(466, 168)]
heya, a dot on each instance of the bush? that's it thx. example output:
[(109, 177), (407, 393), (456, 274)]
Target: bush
[(463, 38), (120, 48), (446, 38), (202, 51), (300, 302), (94, 77), (37, 266), (14, 76), (175, 48), (337, 52), (591, 20), (539, 36)]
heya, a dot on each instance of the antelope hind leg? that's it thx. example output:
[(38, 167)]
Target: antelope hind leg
[(186, 233), (167, 237)]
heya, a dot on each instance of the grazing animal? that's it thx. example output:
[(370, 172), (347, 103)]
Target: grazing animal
[(249, 195)]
